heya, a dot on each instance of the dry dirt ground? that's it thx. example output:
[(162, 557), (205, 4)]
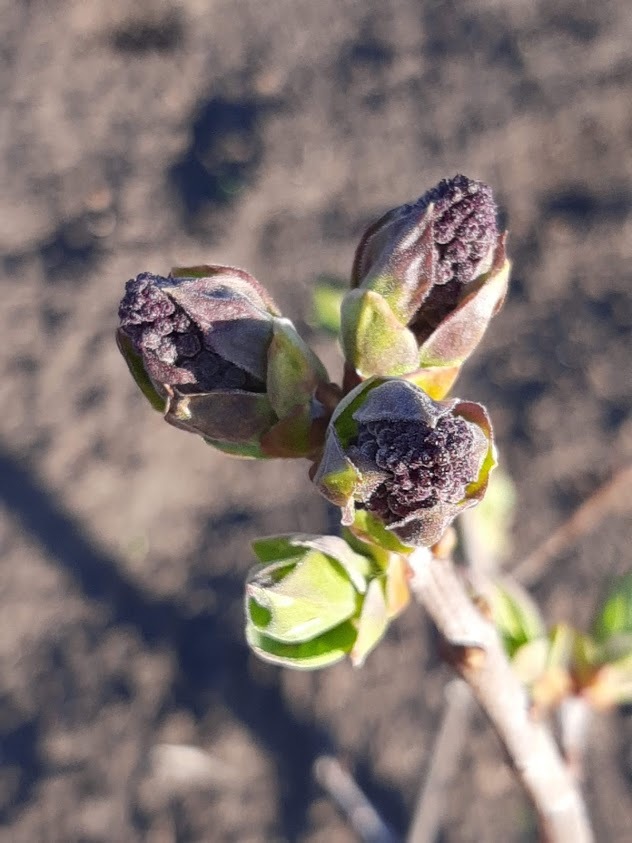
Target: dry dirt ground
[(141, 135)]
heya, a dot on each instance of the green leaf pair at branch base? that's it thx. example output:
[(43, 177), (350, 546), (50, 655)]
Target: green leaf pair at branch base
[(314, 600)]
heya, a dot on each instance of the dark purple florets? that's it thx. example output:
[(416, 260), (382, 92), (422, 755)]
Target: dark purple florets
[(465, 228), (171, 344), (425, 465)]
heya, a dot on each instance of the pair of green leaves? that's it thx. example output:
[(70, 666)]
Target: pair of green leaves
[(315, 600)]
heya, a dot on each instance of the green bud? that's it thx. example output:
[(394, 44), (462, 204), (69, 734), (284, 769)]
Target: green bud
[(413, 463), (315, 600), (209, 348), (302, 603), (427, 279)]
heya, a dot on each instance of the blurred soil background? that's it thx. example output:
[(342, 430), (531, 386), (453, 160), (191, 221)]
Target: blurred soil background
[(138, 136)]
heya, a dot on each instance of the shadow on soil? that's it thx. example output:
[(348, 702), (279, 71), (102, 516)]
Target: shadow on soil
[(211, 656), (222, 160)]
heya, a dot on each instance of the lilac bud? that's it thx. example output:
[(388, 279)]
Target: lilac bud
[(465, 229), (208, 346), (173, 346), (427, 278), (423, 466), (411, 462), (465, 235)]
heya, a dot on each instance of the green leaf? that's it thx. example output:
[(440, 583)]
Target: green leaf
[(615, 617), (516, 617), (477, 414), (367, 528), (373, 340), (372, 623), (325, 650), (276, 548), (346, 426), (301, 599), (293, 371), (436, 381), (245, 451), (292, 545), (326, 300)]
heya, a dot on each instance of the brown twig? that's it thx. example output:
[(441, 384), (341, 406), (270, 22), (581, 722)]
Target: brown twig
[(452, 733), (607, 498), (477, 655)]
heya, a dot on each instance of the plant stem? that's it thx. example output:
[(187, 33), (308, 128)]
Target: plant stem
[(476, 653)]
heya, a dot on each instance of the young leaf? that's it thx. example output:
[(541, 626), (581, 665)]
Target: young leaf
[(293, 602), (323, 651), (516, 616), (326, 301), (615, 617)]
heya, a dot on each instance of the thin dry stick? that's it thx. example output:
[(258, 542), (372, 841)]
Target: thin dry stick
[(480, 660), (343, 789), (607, 498), (443, 763)]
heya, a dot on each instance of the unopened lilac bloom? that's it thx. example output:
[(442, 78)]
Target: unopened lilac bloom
[(209, 348), (427, 279), (412, 462)]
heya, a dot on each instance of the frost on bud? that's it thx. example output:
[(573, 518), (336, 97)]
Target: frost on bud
[(208, 347), (427, 279), (411, 463)]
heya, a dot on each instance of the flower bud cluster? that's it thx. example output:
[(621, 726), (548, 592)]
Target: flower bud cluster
[(411, 462), (465, 229), (210, 349)]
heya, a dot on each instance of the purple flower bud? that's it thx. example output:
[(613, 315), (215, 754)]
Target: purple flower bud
[(427, 278), (423, 466), (411, 462), (208, 346), (181, 348), (465, 235)]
